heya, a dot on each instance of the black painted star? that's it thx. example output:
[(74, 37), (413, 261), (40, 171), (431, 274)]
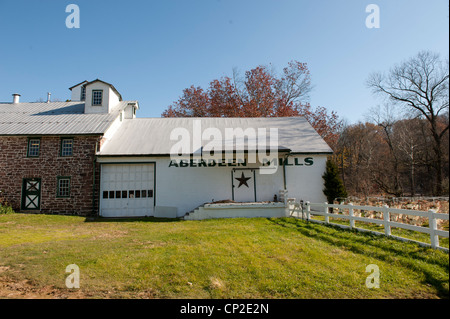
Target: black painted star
[(243, 180)]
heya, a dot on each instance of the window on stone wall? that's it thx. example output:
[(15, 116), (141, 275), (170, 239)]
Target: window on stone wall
[(63, 187), (33, 147), (67, 147)]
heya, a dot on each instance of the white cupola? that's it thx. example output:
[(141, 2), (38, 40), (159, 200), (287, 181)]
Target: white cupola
[(98, 96)]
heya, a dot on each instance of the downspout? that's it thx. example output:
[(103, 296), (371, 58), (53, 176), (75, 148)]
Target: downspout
[(93, 179), (284, 178), (284, 170)]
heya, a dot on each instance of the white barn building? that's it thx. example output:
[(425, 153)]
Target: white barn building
[(136, 168), (139, 157)]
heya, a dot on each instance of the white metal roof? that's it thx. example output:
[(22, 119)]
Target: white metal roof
[(54, 118), (151, 136)]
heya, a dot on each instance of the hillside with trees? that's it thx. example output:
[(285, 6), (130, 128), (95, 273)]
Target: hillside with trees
[(400, 149)]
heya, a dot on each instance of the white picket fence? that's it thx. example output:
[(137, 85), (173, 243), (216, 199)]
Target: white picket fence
[(322, 209)]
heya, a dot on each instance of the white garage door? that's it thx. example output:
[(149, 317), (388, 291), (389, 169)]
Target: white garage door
[(126, 190)]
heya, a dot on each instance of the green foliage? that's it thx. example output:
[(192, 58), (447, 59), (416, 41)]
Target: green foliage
[(6, 209), (334, 187)]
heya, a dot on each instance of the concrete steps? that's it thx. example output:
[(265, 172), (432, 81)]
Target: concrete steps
[(192, 214)]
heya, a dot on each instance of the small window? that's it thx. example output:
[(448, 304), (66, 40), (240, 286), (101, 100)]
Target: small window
[(124, 194), (97, 96), (150, 193), (83, 93), (67, 147), (33, 147), (111, 194), (138, 193), (105, 194), (118, 193), (131, 194), (144, 193), (63, 187)]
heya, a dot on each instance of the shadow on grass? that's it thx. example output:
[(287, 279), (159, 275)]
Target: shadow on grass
[(131, 219), (412, 256)]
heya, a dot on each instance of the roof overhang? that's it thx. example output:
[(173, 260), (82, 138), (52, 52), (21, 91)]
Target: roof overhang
[(109, 84), (81, 83)]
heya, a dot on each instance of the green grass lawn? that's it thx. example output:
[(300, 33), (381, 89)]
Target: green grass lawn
[(222, 258)]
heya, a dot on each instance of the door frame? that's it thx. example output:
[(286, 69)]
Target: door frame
[(24, 193), (242, 169)]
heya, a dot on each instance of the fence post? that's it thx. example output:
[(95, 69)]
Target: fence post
[(387, 219), (327, 218), (308, 210), (350, 214), (433, 227)]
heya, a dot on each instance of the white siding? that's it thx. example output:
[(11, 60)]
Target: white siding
[(113, 99), (76, 93), (305, 182), (189, 187), (129, 112), (112, 129), (109, 101)]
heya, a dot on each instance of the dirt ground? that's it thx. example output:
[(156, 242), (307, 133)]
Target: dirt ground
[(25, 289), (10, 289)]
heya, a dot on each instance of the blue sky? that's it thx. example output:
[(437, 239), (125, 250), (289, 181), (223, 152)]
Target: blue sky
[(151, 50)]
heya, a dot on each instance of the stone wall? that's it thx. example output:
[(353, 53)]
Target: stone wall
[(15, 166)]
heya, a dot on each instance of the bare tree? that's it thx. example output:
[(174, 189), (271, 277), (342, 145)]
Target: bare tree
[(386, 118), (420, 85), (410, 143)]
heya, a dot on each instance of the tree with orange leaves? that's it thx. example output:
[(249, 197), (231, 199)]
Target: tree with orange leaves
[(259, 94)]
